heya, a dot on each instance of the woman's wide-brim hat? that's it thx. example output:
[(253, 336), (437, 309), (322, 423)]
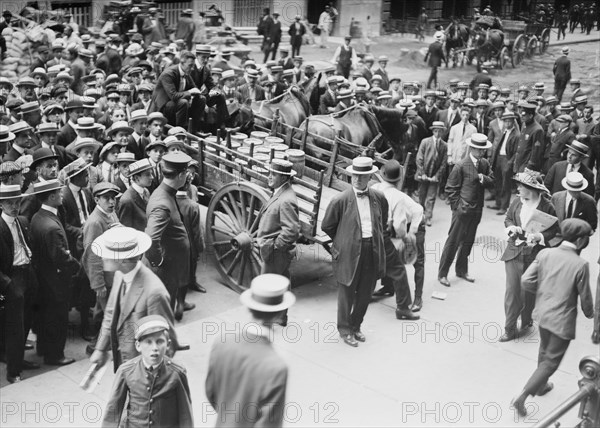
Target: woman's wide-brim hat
[(479, 141), (362, 165), (268, 293), (532, 180), (574, 181), (121, 243)]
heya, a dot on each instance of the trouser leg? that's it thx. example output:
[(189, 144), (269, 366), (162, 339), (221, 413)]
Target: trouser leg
[(512, 296), (420, 262), (552, 351), (365, 285), (452, 242), (467, 241)]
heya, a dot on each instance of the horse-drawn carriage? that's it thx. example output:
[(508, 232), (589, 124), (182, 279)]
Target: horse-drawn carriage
[(235, 179)]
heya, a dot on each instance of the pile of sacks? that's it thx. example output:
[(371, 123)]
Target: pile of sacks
[(20, 47)]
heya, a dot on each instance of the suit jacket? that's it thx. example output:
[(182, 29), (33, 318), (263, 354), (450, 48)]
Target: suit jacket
[(494, 133), (559, 276), (444, 116), (513, 218), (170, 250), (55, 264), (73, 225), (558, 171), (342, 223), (296, 33), (431, 160), (147, 295), (244, 91), (246, 371), (279, 226), (202, 77), (457, 148), (326, 100), (463, 185), (12, 155), (7, 249), (530, 150), (435, 54), (428, 118), (585, 208), (558, 146), (287, 63), (138, 148), (164, 395), (511, 148), (66, 135), (167, 88), (132, 210), (97, 223), (385, 79)]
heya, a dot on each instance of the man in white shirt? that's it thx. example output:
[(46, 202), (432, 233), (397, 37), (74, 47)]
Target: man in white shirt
[(325, 26), (457, 147)]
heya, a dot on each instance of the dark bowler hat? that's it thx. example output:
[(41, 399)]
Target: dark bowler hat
[(572, 229), (391, 171), (175, 162), (104, 188), (41, 154)]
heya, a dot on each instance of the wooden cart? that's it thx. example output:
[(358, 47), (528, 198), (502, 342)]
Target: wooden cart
[(237, 186)]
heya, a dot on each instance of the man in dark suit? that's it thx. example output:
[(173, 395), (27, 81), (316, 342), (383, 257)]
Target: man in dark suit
[(562, 73), (18, 282), (450, 116), (557, 276), (210, 95), (355, 220), (559, 141), (296, 32), (55, 267), (518, 255), (131, 209), (174, 90), (328, 101), (465, 188), (22, 143), (247, 379), (429, 112), (275, 35), (68, 134), (502, 162), (435, 55), (250, 90), (169, 254), (48, 133), (137, 142), (136, 292), (557, 172), (530, 150), (574, 203), (264, 29)]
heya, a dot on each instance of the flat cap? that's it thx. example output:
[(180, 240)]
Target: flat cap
[(572, 229)]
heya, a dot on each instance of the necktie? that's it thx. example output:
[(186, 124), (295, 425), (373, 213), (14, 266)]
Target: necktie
[(182, 84), (464, 129), (83, 206), (570, 209), (146, 195), (22, 239)]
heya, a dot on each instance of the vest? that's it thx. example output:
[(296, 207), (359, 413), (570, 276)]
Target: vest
[(345, 57)]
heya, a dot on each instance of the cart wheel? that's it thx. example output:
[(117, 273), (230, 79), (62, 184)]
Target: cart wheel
[(518, 50), (231, 227), (532, 47), (503, 58), (544, 40)]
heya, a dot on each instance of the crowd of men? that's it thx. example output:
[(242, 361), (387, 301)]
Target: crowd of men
[(95, 161)]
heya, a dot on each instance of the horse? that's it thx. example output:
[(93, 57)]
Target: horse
[(241, 118), (488, 43), (359, 125), (293, 108), (457, 37)]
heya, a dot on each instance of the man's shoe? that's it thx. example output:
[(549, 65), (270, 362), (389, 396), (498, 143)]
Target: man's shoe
[(64, 361), (89, 350), (350, 340), (428, 222), (197, 287), (466, 277), (519, 406), (545, 389), (188, 306), (178, 312), (501, 212), (443, 196), (14, 379), (383, 292), (417, 304), (596, 337), (358, 335), (183, 347), (29, 365), (493, 207), (87, 337), (406, 314), (508, 336), (444, 281), (28, 346)]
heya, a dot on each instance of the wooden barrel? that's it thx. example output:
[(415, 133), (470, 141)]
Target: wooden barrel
[(262, 157), (279, 147), (260, 135), (297, 158), (238, 137), (211, 155), (252, 141), (244, 150), (271, 141), (262, 150)]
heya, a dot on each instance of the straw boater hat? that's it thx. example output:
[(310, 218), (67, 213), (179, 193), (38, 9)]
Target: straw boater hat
[(362, 165), (268, 293), (149, 325), (86, 123), (579, 147), (11, 191), (228, 74), (85, 142), (438, 125), (282, 167), (479, 141), (5, 134), (108, 147), (121, 243), (139, 166), (574, 181), (125, 157), (138, 115), (46, 186), (120, 126), (532, 180), (30, 107), (76, 167)]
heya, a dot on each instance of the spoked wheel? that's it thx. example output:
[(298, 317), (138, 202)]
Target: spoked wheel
[(503, 58), (532, 47), (544, 40), (518, 50), (231, 228)]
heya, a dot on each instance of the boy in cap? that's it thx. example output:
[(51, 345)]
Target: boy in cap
[(154, 386), (557, 276), (247, 379), (132, 205)]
